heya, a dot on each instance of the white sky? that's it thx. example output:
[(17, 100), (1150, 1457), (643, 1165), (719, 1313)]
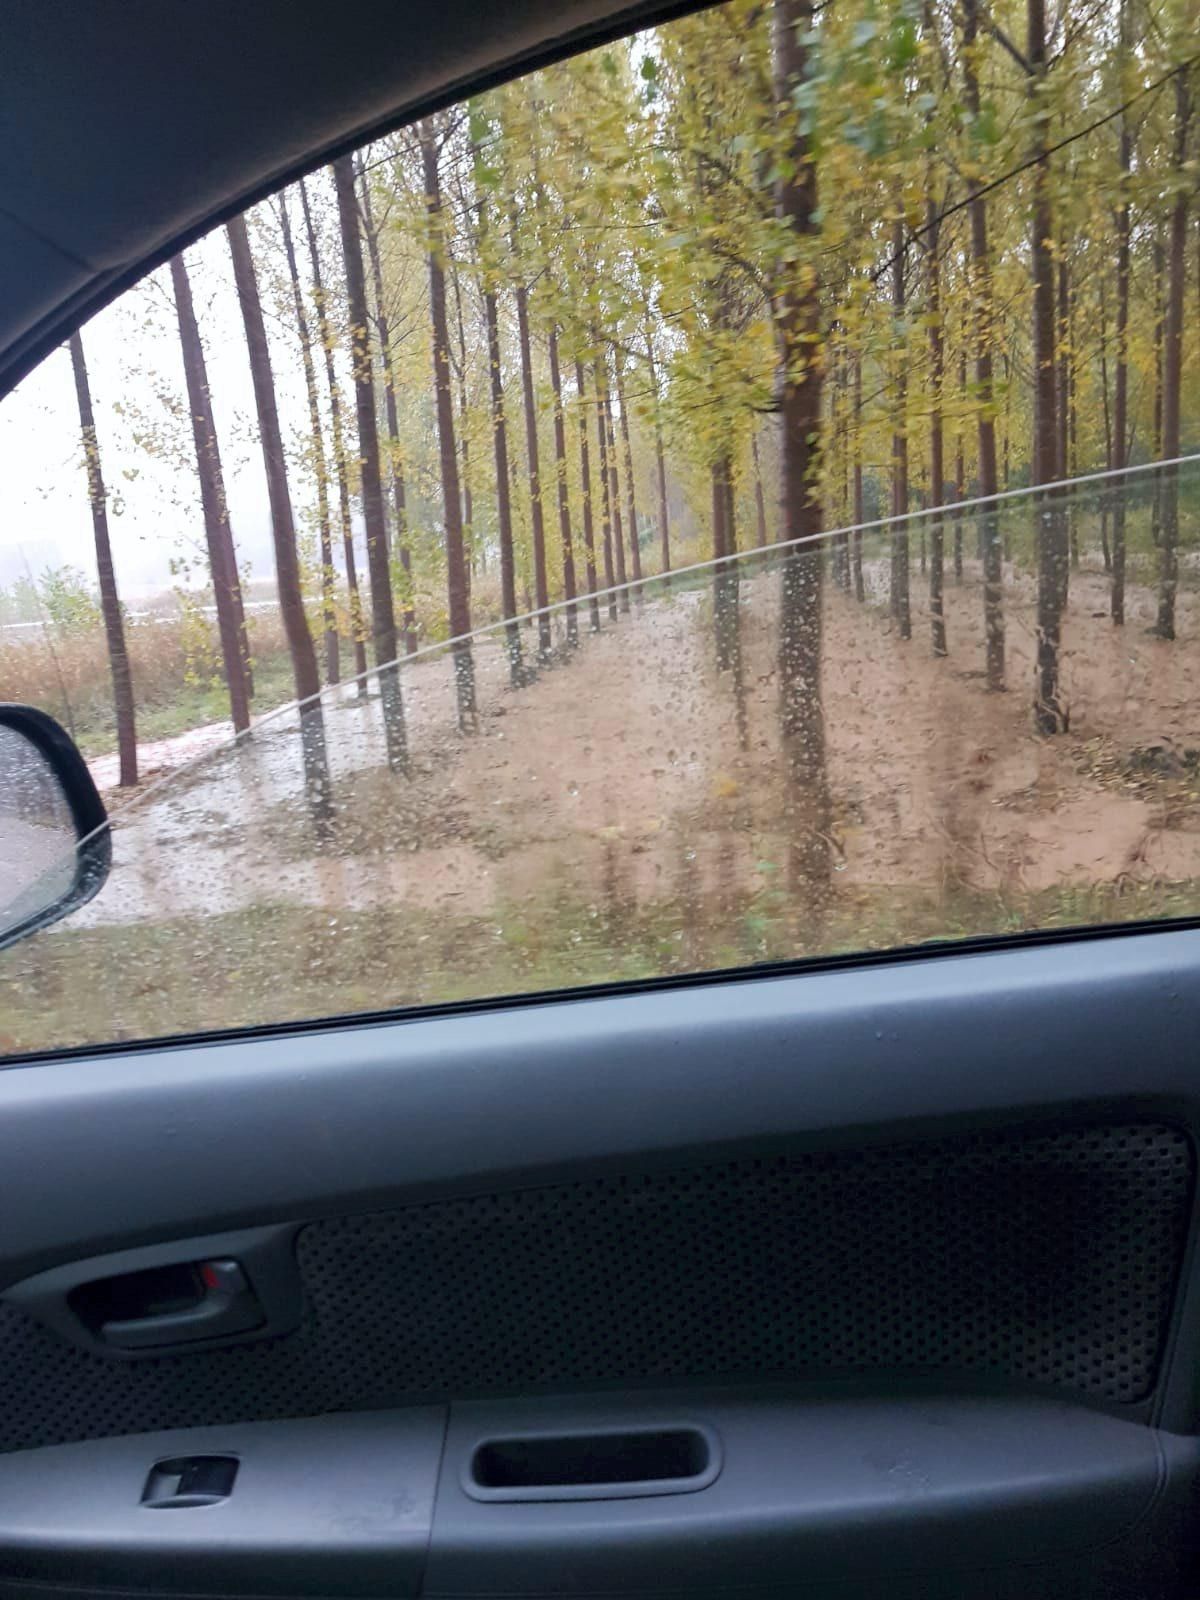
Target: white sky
[(132, 350)]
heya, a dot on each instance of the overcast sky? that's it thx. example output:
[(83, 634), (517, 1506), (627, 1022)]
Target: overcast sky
[(133, 356)]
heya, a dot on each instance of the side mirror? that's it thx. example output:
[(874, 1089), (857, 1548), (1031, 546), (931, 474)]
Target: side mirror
[(55, 844)]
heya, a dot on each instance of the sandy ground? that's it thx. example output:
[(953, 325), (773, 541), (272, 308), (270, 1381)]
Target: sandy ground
[(630, 812), (627, 768)]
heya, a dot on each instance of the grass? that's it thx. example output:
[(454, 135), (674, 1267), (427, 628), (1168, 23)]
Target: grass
[(195, 705), (284, 963), (177, 686)]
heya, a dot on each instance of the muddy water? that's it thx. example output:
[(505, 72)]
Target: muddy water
[(633, 811)]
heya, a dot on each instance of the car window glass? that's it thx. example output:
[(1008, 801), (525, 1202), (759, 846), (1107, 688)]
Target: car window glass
[(730, 497)]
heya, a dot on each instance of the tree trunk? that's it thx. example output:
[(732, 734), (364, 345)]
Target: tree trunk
[(564, 500), (222, 559), (838, 547), (614, 488), (856, 544), (719, 502), (993, 569), (798, 327), (1052, 554), (283, 529), (383, 617), (1168, 550), (456, 567), (585, 485), (606, 542), (110, 602), (725, 577), (901, 608), (532, 456), (1065, 366), (1160, 304), (760, 502), (845, 519), (508, 578), (1118, 455), (1109, 455), (960, 470), (464, 436), (716, 485), (383, 335), (1006, 456), (635, 553), (339, 451), (937, 465), (661, 467), (328, 612), (843, 555)]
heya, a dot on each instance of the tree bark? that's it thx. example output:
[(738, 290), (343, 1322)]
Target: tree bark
[(383, 616), (1065, 370), (1160, 320), (1118, 457), (900, 603), (283, 528), (760, 502), (328, 612), (843, 558), (464, 432), (1052, 563), (508, 578), (1006, 455), (564, 499), (383, 335), (993, 569), (725, 577), (457, 593), (798, 328), (664, 519), (856, 543), (635, 553), (937, 464), (110, 601), (337, 433), (606, 541), (1168, 549), (222, 559), (960, 469), (533, 462), (585, 484), (1105, 497), (614, 488)]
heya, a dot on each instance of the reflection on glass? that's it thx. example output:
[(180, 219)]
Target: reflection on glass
[(750, 765), (585, 399), (37, 832)]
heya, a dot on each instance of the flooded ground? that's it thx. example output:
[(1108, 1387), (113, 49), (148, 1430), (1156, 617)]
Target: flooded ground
[(630, 813)]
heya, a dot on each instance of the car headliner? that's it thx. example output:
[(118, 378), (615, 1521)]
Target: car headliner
[(130, 127)]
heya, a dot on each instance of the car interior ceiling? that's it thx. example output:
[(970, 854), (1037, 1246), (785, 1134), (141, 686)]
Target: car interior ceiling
[(103, 181)]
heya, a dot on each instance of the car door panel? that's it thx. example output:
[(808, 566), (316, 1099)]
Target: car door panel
[(951, 1198), (202, 1135), (931, 1486)]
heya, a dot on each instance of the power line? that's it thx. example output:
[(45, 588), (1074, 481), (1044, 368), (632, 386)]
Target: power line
[(1032, 161)]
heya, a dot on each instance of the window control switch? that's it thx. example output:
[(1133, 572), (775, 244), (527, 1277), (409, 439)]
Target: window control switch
[(190, 1481)]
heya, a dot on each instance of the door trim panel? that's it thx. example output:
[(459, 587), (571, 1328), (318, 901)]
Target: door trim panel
[(191, 1139)]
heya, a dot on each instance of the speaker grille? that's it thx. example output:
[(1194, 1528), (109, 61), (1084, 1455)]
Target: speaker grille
[(1038, 1256)]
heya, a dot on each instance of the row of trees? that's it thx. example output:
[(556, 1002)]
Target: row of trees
[(729, 276)]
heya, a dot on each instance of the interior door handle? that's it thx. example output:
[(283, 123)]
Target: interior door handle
[(218, 1288), (224, 1304)]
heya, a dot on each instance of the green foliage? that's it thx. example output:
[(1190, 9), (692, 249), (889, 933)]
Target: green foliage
[(631, 197), (20, 602), (68, 600)]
